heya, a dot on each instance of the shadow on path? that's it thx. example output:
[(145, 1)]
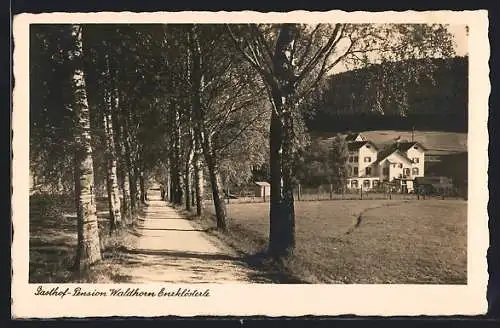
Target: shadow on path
[(172, 249), (201, 256)]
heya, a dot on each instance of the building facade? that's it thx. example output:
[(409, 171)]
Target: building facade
[(394, 166)]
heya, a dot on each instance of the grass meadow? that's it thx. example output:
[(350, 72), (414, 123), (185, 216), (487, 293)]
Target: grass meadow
[(364, 241), (339, 241)]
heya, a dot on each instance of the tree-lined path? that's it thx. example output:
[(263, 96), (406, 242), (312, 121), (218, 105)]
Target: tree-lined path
[(202, 109), (173, 249)]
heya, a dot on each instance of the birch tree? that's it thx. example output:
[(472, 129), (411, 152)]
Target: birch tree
[(226, 105), (88, 251), (111, 154)]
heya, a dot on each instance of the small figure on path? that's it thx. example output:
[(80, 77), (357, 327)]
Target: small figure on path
[(162, 191)]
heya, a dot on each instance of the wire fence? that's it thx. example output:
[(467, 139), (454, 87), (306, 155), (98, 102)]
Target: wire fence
[(325, 193)]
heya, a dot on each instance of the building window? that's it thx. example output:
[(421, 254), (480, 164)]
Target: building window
[(415, 171), (400, 166), (385, 171), (351, 159), (416, 160), (368, 146), (375, 183), (394, 165), (355, 170), (354, 184), (406, 171), (366, 183), (368, 171), (415, 147), (355, 159), (368, 159)]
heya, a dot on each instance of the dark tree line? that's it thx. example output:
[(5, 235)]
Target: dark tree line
[(438, 100)]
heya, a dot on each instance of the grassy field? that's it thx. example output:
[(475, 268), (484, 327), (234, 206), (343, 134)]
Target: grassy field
[(53, 240), (369, 241)]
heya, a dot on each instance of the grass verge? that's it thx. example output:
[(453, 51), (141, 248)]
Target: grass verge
[(366, 241), (53, 242)]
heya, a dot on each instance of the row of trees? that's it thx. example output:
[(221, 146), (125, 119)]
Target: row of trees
[(323, 162), (115, 104)]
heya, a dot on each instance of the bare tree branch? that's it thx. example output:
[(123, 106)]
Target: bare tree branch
[(326, 49), (306, 51), (240, 132), (254, 64)]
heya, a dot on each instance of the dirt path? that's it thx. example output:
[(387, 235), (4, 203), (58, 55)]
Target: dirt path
[(171, 249)]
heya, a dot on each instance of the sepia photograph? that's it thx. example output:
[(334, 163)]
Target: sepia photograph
[(294, 153)]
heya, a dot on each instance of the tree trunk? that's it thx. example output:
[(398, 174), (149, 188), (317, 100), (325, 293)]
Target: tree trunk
[(122, 172), (142, 187), (187, 179), (219, 205), (111, 176), (133, 188), (201, 146), (199, 181), (88, 249), (129, 166), (167, 186), (282, 212), (175, 162), (125, 187), (193, 196), (124, 179)]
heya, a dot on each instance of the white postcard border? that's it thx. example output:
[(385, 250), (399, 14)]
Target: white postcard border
[(258, 299)]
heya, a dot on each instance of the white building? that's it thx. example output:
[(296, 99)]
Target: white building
[(360, 169), (399, 163)]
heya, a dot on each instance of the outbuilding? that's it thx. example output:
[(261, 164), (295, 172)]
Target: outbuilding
[(262, 189)]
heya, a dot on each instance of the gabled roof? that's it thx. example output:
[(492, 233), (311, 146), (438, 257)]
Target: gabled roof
[(355, 145), (352, 137), (386, 152), (404, 146)]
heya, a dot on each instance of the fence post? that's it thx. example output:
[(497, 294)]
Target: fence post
[(331, 191), (361, 192), (298, 192)]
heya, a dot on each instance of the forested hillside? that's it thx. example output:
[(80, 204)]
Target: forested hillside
[(374, 98)]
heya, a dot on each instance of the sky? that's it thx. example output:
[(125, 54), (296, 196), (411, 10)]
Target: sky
[(459, 33)]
